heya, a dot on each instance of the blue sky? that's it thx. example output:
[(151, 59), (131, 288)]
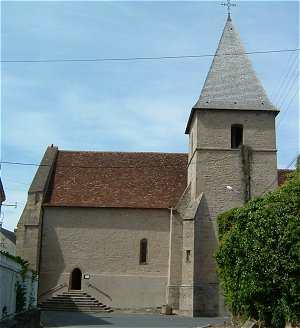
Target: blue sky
[(126, 106)]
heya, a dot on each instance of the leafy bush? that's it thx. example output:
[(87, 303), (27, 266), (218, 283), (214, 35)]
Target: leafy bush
[(20, 297), (259, 256)]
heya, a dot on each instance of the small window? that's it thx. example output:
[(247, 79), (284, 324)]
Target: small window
[(236, 136), (143, 251), (188, 256)]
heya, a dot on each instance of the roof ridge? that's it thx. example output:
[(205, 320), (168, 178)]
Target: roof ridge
[(120, 152)]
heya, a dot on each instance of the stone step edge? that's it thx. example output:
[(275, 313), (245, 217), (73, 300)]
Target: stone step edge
[(72, 304), (75, 307), (79, 310), (56, 299), (73, 298)]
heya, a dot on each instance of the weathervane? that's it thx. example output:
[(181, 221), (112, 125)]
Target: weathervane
[(228, 4)]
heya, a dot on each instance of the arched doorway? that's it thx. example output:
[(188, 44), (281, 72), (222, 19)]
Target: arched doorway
[(76, 279)]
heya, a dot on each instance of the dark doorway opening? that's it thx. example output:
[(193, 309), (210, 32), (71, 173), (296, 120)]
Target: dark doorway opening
[(76, 279)]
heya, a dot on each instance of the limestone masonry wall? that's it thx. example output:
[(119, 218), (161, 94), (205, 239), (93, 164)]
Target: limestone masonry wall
[(105, 244), (213, 166)]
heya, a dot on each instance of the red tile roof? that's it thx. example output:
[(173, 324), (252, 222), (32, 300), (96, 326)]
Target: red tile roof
[(116, 179)]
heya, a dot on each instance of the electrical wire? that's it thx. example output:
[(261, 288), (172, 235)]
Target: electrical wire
[(281, 85), (136, 167), (49, 60), (289, 89), (109, 167), (275, 92), (287, 108)]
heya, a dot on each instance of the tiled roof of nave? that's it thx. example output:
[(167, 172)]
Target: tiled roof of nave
[(117, 179)]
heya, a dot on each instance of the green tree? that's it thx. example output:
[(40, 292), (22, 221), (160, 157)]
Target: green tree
[(259, 256)]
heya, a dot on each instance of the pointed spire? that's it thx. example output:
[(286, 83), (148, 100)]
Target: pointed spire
[(231, 82)]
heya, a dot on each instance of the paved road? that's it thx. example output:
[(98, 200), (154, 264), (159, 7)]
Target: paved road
[(113, 320)]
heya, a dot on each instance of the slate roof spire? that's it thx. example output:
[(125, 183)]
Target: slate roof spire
[(231, 82)]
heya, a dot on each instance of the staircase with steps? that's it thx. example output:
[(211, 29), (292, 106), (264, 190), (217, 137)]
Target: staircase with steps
[(74, 301)]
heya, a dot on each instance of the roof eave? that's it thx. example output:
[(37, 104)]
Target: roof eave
[(45, 205), (187, 129)]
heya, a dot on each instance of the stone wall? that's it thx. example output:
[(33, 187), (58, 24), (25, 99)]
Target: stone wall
[(213, 166), (28, 232), (105, 244), (214, 128), (175, 260)]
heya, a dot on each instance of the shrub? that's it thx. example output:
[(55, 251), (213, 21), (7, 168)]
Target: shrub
[(20, 296), (259, 256)]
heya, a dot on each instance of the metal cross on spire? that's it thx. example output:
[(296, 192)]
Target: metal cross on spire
[(228, 4)]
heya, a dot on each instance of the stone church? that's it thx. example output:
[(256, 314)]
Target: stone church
[(138, 230)]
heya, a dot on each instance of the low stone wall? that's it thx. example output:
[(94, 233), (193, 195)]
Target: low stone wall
[(27, 319)]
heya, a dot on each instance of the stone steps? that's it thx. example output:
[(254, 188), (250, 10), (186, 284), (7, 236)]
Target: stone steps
[(71, 298), (68, 302), (74, 301)]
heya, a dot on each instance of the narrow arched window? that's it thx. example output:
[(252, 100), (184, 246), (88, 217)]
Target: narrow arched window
[(236, 136), (143, 251)]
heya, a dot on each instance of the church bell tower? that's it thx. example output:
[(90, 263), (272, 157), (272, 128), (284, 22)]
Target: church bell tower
[(232, 157)]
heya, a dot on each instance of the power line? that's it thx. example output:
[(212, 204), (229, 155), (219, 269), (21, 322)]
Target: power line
[(289, 88), (285, 77), (287, 108), (109, 167), (13, 181), (276, 91), (49, 60), (117, 167), (292, 161), (136, 167)]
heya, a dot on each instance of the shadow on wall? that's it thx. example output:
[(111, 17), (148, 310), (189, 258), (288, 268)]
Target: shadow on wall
[(53, 277), (52, 264), (207, 300)]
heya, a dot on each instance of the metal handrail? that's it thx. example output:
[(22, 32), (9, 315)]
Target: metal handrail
[(99, 291), (53, 289)]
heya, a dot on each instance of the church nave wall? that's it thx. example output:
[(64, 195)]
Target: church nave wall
[(105, 244)]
